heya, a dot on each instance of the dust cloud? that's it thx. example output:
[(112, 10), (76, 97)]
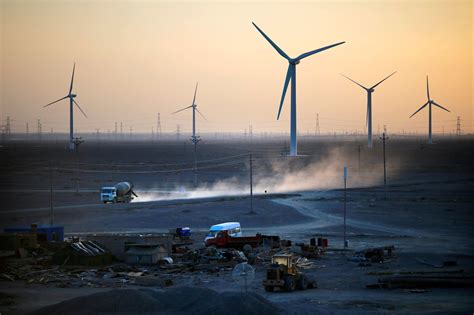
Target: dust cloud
[(287, 175)]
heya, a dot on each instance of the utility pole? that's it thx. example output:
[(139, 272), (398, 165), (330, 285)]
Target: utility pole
[(345, 199), (317, 131), (27, 129), (383, 138), (195, 141), (51, 192), (358, 151), (115, 132), (250, 132), (77, 142), (121, 131), (177, 132), (251, 183)]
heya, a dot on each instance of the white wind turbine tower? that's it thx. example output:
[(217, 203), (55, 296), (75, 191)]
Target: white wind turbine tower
[(291, 75), (429, 103), (194, 139), (368, 118), (72, 101)]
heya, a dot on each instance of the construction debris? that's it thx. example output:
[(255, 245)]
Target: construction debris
[(424, 282), (376, 255), (83, 253)]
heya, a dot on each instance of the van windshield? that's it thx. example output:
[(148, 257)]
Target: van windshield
[(212, 233)]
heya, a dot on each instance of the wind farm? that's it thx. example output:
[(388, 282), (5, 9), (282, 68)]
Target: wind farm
[(237, 198)]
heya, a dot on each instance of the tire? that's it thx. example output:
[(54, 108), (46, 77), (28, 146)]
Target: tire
[(290, 283), (302, 283), (269, 288), (247, 248)]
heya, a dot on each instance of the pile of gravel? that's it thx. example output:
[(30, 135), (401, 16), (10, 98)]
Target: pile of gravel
[(182, 300)]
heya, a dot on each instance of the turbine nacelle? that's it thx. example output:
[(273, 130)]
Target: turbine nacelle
[(294, 61), (72, 95)]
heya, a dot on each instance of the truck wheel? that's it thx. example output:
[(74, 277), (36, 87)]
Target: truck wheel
[(302, 283), (247, 248), (269, 288), (289, 283)]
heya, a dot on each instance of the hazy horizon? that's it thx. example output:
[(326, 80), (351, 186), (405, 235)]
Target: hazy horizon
[(135, 59)]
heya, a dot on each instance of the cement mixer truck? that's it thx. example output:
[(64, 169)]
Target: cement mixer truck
[(121, 192)]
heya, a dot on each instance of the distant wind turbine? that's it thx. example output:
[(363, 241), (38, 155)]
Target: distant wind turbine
[(72, 101), (194, 139), (368, 118), (429, 103), (291, 75)]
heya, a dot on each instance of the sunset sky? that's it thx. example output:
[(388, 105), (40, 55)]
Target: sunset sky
[(137, 58)]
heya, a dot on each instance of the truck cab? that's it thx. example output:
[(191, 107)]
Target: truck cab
[(232, 228), (108, 194)]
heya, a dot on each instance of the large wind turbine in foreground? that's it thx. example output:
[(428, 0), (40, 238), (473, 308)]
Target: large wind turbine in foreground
[(72, 101), (429, 103), (291, 75), (368, 118)]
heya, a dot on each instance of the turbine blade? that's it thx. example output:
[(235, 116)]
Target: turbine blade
[(182, 109), (419, 109), (72, 78), (56, 101), (201, 114), (281, 52), (427, 88), (289, 75), (79, 108), (440, 106), (383, 80), (354, 82), (312, 52), (195, 91)]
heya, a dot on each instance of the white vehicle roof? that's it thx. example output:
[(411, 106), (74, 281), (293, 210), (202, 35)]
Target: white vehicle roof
[(225, 226), (107, 187)]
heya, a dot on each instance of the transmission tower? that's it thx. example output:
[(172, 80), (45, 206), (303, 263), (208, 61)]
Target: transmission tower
[(177, 132), (121, 130), (458, 126), (8, 128), (158, 126), (39, 128), (317, 132), (250, 131), (27, 128)]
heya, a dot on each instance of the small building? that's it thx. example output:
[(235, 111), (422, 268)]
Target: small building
[(146, 254), (44, 233)]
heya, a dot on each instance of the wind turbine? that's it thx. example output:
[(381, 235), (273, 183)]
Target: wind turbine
[(368, 118), (194, 139), (429, 103), (291, 75), (72, 101)]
